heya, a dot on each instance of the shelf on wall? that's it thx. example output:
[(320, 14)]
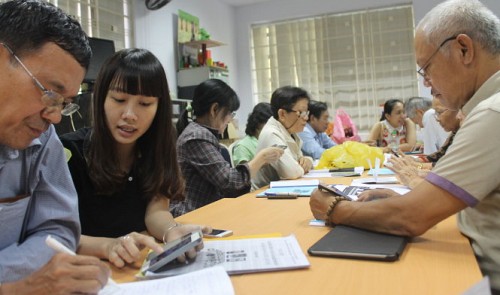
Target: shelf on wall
[(199, 43)]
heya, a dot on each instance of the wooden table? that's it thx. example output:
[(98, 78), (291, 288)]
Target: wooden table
[(439, 262)]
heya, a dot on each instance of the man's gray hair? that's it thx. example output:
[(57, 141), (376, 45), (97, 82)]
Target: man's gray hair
[(417, 103), (470, 17)]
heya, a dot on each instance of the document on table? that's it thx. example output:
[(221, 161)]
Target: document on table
[(208, 281), (390, 183), (245, 256), (300, 188)]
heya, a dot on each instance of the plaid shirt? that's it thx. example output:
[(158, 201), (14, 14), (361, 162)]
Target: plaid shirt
[(208, 176)]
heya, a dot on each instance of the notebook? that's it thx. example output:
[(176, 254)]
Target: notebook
[(349, 242)]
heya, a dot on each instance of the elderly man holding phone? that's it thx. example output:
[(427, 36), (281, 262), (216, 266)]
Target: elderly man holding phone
[(457, 45)]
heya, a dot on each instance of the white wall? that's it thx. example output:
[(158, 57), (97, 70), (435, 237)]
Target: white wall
[(154, 31)]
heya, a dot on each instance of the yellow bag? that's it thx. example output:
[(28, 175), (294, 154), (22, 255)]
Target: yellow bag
[(348, 155)]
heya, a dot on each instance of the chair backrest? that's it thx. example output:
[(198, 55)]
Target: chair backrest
[(231, 150), (224, 150)]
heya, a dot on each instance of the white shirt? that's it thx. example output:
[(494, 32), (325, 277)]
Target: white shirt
[(433, 134)]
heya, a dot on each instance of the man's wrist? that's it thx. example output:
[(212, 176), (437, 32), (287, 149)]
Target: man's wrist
[(329, 213)]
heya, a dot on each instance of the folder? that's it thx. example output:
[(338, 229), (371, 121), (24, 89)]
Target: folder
[(350, 242)]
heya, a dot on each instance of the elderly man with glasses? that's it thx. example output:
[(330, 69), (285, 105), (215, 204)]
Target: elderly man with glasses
[(43, 57), (457, 46)]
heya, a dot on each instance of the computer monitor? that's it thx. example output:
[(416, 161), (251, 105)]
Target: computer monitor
[(102, 49)]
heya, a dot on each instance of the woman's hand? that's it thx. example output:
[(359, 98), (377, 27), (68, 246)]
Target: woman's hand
[(271, 154), (182, 230), (306, 164), (127, 249)]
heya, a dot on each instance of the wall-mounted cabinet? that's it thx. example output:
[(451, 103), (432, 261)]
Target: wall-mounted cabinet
[(196, 66), (188, 79)]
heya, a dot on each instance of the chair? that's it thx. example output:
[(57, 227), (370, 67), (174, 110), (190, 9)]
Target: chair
[(231, 151), (225, 153)]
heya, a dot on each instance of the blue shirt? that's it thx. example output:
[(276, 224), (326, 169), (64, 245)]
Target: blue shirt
[(40, 172), (314, 144)]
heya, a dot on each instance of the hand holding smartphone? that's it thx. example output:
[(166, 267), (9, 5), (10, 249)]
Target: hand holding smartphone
[(333, 190), (172, 250), (218, 233), (281, 146)]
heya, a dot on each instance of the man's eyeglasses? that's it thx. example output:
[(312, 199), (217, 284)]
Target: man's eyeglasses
[(50, 98), (438, 114), (422, 70), (303, 114)]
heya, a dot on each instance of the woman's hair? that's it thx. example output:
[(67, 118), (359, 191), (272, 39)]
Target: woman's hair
[(137, 72), (285, 98), (205, 95), (260, 114), (389, 106), (316, 108)]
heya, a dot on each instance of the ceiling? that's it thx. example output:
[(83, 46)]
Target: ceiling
[(243, 2)]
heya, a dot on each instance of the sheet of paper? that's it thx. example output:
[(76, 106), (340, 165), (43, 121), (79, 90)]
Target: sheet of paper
[(301, 191), (245, 256), (382, 171), (208, 281), (355, 191), (483, 287), (284, 183)]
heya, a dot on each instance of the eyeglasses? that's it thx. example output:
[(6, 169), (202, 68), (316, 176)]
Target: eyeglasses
[(233, 114), (303, 114), (422, 70), (50, 98), (438, 114)]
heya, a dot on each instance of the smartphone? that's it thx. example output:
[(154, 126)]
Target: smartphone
[(218, 233), (281, 146), (396, 154), (332, 189), (172, 250)]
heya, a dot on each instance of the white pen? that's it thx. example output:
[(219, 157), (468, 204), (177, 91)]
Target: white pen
[(57, 246)]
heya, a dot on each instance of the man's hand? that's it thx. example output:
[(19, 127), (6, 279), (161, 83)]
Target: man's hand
[(63, 274), (374, 194), (320, 202)]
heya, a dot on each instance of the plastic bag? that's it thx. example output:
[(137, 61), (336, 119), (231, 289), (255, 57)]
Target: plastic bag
[(344, 128), (348, 155)]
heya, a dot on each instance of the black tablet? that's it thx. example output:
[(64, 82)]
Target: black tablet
[(350, 242)]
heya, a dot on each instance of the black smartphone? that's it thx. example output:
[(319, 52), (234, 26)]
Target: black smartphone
[(332, 189), (395, 154)]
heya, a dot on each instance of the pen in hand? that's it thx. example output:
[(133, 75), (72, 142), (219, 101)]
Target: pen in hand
[(57, 246)]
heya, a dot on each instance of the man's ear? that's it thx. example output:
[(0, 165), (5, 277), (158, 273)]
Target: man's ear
[(466, 48)]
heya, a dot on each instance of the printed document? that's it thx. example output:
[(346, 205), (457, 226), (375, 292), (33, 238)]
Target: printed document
[(244, 256)]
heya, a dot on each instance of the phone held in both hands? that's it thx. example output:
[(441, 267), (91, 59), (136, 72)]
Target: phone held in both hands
[(172, 250), (218, 233)]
